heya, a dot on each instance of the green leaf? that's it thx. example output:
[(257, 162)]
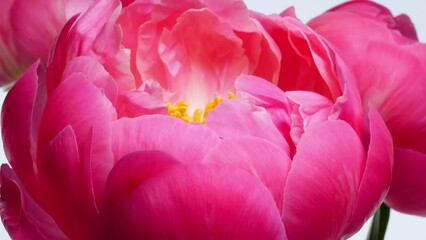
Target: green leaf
[(379, 224)]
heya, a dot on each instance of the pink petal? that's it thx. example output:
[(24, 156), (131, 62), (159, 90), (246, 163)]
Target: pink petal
[(78, 103), (17, 111), (35, 27), (193, 202), (133, 169), (186, 142), (147, 99), (308, 108), (95, 72), (58, 170), (21, 216), (235, 117), (309, 63), (198, 71), (322, 185), (408, 183), (257, 156), (377, 175)]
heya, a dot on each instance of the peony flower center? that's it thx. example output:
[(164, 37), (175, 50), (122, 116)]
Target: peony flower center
[(180, 109)]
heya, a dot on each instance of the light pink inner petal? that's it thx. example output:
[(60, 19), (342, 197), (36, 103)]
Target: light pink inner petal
[(203, 57)]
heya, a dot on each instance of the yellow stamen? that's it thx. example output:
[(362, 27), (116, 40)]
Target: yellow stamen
[(179, 110)]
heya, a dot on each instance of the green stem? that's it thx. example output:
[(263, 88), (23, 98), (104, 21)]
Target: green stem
[(379, 224)]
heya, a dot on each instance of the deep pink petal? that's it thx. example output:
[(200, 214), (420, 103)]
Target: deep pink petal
[(377, 175), (235, 117), (257, 156), (79, 103), (16, 124), (325, 175), (73, 210), (194, 202), (408, 184), (186, 142), (131, 170), (21, 216)]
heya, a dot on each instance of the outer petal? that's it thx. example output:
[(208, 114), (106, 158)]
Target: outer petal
[(322, 185), (408, 191), (191, 202), (22, 217), (186, 142), (78, 103), (35, 26), (17, 111), (257, 156), (377, 175), (74, 210)]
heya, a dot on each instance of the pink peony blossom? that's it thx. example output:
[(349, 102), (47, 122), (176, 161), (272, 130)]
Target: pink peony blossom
[(27, 30), (390, 68), (164, 121)]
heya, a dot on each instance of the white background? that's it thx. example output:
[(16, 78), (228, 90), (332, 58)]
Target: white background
[(401, 226)]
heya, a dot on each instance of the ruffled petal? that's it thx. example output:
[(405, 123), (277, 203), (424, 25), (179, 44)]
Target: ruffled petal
[(235, 118), (407, 192), (20, 214), (186, 142), (190, 202), (325, 174), (257, 156)]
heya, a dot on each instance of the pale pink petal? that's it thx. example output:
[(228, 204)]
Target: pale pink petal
[(21, 216), (325, 175), (199, 72), (377, 175), (235, 117), (257, 156), (191, 202), (186, 142), (408, 184), (73, 7), (16, 124)]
